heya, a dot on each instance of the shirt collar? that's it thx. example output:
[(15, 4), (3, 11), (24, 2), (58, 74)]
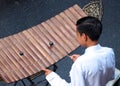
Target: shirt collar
[(92, 48)]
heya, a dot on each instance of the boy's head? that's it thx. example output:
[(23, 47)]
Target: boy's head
[(90, 28)]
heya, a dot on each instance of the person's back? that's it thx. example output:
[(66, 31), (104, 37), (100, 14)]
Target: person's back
[(97, 64)]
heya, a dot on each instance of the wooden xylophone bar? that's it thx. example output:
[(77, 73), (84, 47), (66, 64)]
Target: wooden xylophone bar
[(27, 52)]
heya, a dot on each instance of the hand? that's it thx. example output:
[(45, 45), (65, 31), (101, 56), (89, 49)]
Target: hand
[(74, 57), (47, 71)]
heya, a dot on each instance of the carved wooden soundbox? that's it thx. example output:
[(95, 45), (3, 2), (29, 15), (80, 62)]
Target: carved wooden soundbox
[(27, 52)]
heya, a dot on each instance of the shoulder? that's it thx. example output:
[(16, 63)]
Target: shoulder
[(108, 50)]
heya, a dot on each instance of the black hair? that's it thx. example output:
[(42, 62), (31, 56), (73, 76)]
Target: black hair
[(90, 26)]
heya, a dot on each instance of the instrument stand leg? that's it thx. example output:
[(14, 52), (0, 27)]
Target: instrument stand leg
[(55, 67), (21, 81), (32, 83), (15, 83)]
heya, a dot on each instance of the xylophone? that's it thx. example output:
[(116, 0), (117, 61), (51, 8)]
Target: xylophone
[(27, 52)]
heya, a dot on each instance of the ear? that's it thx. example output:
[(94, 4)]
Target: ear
[(84, 36)]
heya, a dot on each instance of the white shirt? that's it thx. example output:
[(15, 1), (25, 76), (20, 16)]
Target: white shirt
[(94, 68)]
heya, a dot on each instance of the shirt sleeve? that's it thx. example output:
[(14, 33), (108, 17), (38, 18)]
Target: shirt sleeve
[(77, 76), (55, 80)]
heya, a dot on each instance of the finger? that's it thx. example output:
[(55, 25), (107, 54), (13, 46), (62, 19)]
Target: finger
[(45, 70)]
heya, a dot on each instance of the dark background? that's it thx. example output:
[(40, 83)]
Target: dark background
[(19, 15)]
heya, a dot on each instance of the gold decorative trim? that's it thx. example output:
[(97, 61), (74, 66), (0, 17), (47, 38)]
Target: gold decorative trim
[(94, 8)]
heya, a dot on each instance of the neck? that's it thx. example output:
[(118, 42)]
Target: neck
[(91, 43)]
